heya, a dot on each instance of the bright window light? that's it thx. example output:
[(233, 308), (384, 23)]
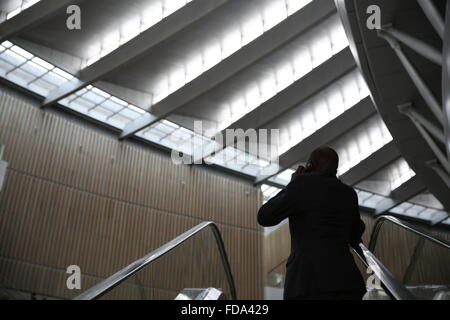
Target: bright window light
[(211, 56), (274, 13), (29, 3), (399, 172), (101, 92), (350, 147), (29, 71), (170, 124), (251, 29), (315, 50), (231, 43), (7, 44), (194, 68), (170, 6), (320, 48), (318, 110), (270, 15), (130, 30), (63, 74), (22, 52), (252, 97), (295, 5), (177, 79), (13, 13), (42, 63), (25, 4), (153, 14)]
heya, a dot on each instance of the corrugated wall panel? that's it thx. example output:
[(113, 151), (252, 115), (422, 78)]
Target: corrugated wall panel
[(74, 195)]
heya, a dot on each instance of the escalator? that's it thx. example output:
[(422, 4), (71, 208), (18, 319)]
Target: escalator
[(414, 260), (195, 266)]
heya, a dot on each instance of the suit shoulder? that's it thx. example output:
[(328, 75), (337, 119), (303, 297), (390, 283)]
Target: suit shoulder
[(350, 190)]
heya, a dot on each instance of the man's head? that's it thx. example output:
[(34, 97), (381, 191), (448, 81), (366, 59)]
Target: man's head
[(323, 158)]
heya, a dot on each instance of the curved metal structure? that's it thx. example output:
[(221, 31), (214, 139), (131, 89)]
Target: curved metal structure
[(393, 287), (405, 64), (108, 284)]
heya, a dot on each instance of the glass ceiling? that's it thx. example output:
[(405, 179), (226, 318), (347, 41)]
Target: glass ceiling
[(33, 73)]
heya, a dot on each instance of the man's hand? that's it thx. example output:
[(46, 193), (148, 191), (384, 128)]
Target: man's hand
[(300, 170)]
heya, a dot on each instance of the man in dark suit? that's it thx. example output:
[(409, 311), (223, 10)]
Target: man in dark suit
[(324, 221)]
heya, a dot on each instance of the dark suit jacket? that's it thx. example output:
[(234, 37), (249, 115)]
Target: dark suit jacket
[(323, 221)]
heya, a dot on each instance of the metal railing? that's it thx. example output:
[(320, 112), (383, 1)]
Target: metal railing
[(394, 288), (405, 225), (108, 284)]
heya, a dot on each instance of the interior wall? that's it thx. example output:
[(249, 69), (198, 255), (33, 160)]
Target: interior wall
[(77, 196)]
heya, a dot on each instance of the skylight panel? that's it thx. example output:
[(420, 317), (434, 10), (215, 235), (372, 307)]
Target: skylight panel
[(25, 54), (232, 40), (351, 147), (99, 104), (42, 63), (29, 71), (399, 173), (315, 50), (5, 66), (13, 58), (320, 109), (136, 109)]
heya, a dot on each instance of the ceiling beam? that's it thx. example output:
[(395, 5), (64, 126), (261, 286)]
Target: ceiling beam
[(403, 193), (433, 16), (375, 162), (299, 92), (302, 21), (134, 48), (323, 136), (32, 16)]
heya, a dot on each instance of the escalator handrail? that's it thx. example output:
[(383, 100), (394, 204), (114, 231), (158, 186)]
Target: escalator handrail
[(111, 282), (379, 223), (392, 286)]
